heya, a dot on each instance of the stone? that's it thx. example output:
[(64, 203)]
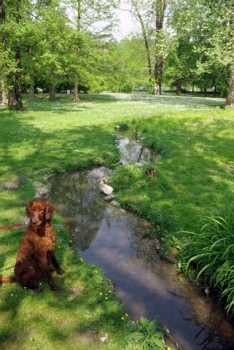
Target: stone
[(106, 189), (11, 185), (115, 204), (41, 189)]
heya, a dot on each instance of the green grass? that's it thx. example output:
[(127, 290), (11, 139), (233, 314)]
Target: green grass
[(194, 177)]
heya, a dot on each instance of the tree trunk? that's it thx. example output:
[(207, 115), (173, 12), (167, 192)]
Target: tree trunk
[(32, 87), (18, 82), (178, 90), (52, 92), (146, 41), (230, 97), (15, 93), (4, 93), (76, 91), (15, 100), (158, 72), (4, 47), (78, 29)]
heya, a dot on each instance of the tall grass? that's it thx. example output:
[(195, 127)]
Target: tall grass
[(212, 252)]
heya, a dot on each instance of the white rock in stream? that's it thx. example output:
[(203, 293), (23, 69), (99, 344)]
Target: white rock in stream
[(106, 189)]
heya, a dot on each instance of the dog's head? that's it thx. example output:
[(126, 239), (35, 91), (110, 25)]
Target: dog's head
[(39, 211)]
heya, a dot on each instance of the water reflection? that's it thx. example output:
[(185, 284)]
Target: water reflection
[(111, 238), (133, 151)]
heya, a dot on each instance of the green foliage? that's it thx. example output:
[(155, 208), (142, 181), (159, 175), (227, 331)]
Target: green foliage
[(143, 335), (207, 27), (211, 250)]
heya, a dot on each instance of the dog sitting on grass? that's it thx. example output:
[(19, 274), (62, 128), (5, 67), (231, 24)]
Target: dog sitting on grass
[(36, 250)]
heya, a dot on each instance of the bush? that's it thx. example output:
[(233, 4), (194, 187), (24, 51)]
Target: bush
[(125, 88), (212, 251)]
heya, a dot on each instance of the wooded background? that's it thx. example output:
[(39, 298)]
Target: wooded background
[(51, 45)]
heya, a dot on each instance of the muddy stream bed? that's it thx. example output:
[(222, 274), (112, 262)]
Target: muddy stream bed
[(110, 237)]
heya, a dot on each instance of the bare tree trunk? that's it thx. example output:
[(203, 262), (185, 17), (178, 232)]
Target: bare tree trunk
[(18, 82), (76, 82), (12, 103), (178, 90), (4, 47), (15, 93), (146, 41), (32, 87), (230, 97), (158, 71), (15, 100), (52, 92), (4, 93), (76, 91)]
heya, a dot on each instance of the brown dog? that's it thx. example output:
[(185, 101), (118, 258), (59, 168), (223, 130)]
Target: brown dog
[(36, 250)]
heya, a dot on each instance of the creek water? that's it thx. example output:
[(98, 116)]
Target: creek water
[(106, 235)]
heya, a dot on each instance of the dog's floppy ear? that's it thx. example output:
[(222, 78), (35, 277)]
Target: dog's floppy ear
[(28, 207), (49, 211)]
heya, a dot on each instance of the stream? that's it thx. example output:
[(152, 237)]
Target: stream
[(110, 237)]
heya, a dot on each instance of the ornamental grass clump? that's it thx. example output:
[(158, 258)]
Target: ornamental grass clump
[(212, 252)]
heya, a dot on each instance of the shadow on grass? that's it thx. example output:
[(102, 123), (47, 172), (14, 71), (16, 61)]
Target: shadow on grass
[(25, 147)]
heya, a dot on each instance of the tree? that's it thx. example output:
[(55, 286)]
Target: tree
[(11, 49), (53, 48), (151, 16), (230, 97), (2, 51), (209, 26), (16, 31), (91, 18)]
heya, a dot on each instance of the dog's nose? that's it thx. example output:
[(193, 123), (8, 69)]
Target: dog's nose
[(34, 222)]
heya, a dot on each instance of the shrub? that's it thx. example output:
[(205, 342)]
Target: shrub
[(212, 251)]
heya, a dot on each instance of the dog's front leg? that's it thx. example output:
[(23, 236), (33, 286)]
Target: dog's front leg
[(44, 267), (54, 261)]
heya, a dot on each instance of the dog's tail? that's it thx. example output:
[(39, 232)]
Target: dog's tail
[(10, 279)]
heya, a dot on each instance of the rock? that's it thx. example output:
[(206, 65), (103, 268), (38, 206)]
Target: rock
[(109, 198), (41, 189), (115, 204), (106, 189), (11, 184)]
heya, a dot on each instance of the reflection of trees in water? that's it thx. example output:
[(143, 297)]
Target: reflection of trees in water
[(211, 340), (207, 338), (77, 197), (132, 151)]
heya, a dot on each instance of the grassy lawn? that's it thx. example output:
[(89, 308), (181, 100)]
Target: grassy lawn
[(194, 177)]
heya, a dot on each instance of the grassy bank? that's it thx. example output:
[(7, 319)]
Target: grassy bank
[(193, 177)]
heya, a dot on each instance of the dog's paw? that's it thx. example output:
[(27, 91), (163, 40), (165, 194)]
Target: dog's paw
[(54, 287), (60, 271)]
